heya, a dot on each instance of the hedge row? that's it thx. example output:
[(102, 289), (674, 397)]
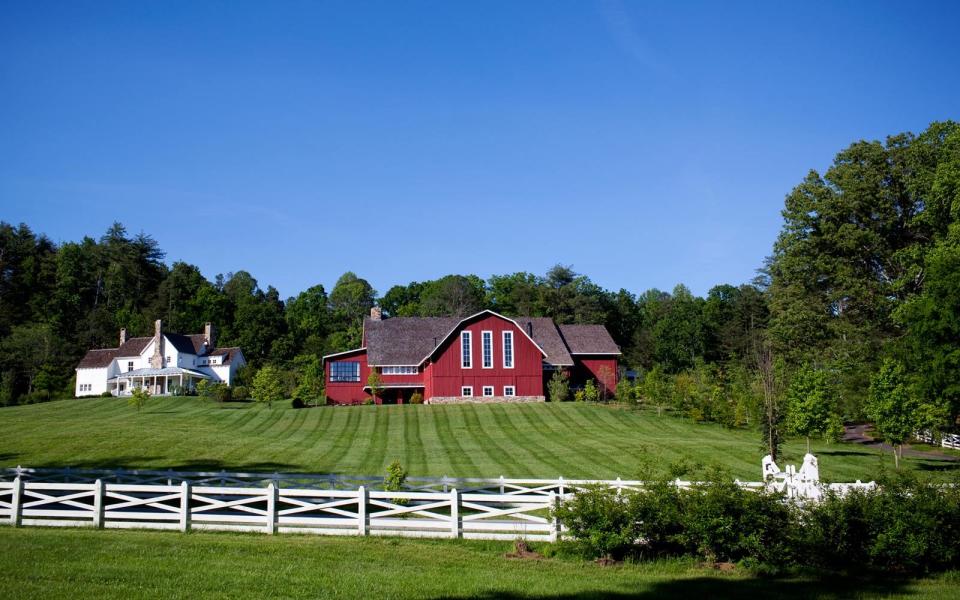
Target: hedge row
[(904, 525)]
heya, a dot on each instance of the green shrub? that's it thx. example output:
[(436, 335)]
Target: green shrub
[(599, 522), (106, 394), (416, 398), (394, 479), (241, 393), (297, 403)]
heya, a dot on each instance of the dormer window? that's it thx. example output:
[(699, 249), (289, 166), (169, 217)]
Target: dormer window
[(129, 366)]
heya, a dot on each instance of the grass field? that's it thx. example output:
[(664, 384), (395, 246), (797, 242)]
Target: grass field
[(72, 563), (534, 440)]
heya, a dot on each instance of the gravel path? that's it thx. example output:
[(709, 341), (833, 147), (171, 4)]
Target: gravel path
[(863, 434)]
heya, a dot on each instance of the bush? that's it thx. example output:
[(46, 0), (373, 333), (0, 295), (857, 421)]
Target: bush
[(905, 526), (599, 522), (416, 398), (240, 393), (106, 394), (297, 403)]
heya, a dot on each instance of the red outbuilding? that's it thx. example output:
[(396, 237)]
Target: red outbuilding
[(485, 357)]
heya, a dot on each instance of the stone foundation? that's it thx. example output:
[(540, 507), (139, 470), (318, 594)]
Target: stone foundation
[(484, 399)]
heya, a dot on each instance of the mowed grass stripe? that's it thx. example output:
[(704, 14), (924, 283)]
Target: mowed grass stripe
[(585, 447), (414, 453), (581, 432), (456, 457), (527, 461), (342, 439), (557, 452), (527, 433), (499, 456), (373, 458), (474, 447)]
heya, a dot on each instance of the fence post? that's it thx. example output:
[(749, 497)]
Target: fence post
[(16, 503), (185, 506), (502, 487), (561, 485), (363, 524), (99, 492), (455, 523), (554, 505), (271, 508)]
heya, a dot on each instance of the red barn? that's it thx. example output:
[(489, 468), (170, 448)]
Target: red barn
[(483, 358)]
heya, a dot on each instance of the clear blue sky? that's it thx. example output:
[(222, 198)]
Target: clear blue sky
[(646, 144)]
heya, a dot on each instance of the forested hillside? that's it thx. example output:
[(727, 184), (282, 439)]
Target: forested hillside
[(858, 304)]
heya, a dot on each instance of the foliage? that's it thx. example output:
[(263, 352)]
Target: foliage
[(810, 405), (395, 478), (591, 393), (309, 377), (416, 398), (375, 384), (903, 526), (138, 398), (558, 387), (896, 408), (267, 385), (297, 403), (241, 393)]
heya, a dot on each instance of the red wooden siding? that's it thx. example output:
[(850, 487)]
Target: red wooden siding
[(602, 368), (447, 376), (347, 392)]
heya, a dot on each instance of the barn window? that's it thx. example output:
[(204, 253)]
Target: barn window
[(487, 337), (466, 390), (509, 390), (466, 354), (398, 370), (507, 349), (344, 371), (488, 390)]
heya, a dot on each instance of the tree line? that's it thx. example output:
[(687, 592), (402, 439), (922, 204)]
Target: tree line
[(857, 306)]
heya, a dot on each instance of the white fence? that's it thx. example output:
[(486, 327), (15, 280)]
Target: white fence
[(947, 440), (271, 510)]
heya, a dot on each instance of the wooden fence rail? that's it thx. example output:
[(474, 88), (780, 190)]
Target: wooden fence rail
[(362, 511)]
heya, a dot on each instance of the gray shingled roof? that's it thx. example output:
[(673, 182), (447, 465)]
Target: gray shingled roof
[(404, 340), (544, 333), (189, 344), (229, 353), (97, 359), (134, 346), (588, 339)]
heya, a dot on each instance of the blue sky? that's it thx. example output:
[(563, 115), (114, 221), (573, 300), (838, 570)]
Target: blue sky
[(646, 144)]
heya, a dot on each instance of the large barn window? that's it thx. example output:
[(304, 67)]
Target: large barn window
[(487, 337), (344, 371), (509, 390), (466, 354), (507, 349)]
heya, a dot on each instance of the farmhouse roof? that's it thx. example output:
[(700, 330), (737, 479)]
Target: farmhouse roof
[(98, 359), (190, 344), (228, 353), (588, 339)]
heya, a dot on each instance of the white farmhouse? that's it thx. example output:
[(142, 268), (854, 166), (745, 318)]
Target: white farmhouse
[(162, 364)]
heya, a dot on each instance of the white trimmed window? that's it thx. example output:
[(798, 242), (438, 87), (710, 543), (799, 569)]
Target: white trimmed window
[(507, 349), (466, 352), (398, 370), (487, 338), (466, 390), (509, 390), (488, 390), (129, 366)]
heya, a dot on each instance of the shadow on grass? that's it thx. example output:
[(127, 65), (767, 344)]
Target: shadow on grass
[(143, 463), (717, 588)]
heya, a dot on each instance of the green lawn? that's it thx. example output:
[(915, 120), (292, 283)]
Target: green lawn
[(77, 563), (533, 440)]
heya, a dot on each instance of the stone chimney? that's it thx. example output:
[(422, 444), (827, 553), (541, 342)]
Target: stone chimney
[(210, 336), (376, 314), (156, 361), (123, 335)]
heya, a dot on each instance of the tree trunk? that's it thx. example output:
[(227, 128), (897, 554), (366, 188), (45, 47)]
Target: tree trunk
[(808, 444), (896, 457)]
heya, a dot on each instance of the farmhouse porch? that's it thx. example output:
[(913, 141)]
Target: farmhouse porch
[(159, 382)]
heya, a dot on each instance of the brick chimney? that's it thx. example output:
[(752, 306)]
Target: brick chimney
[(123, 335), (156, 361), (376, 314), (210, 336)]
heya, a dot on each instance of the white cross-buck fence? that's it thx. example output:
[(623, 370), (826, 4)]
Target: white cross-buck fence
[(276, 510)]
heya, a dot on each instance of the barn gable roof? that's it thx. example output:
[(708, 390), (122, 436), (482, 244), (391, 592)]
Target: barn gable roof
[(544, 332), (588, 339), (405, 340)]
